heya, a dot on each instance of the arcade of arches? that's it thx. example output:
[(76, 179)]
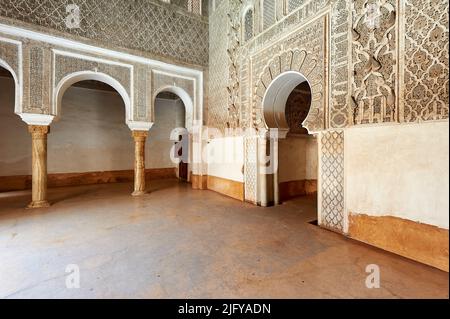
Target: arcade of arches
[(262, 148)]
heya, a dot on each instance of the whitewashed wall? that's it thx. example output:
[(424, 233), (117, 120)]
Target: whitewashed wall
[(399, 170), (225, 158), (297, 159), (169, 114)]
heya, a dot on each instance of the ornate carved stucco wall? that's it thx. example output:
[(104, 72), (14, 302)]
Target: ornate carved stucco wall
[(387, 62), (162, 30), (140, 48), (218, 71), (43, 70)]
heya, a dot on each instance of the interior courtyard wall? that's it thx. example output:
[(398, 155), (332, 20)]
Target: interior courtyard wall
[(386, 165), (385, 64)]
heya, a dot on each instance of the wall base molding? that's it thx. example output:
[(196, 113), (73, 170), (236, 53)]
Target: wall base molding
[(226, 187), (421, 242), (199, 181), (297, 188), (23, 182)]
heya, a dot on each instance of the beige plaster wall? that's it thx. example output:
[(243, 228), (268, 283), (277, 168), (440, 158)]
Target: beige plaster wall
[(169, 114), (15, 141), (91, 134), (225, 158), (298, 157), (399, 170)]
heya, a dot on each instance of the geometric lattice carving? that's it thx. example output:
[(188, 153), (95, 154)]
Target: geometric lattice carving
[(309, 9), (294, 4), (374, 61), (426, 60), (251, 169), (140, 25), (332, 179), (219, 68)]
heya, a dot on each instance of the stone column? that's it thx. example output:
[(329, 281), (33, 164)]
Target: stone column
[(275, 159), (39, 165), (262, 163), (139, 162)]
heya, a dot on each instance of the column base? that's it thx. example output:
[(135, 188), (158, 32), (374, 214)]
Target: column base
[(39, 204), (138, 193)]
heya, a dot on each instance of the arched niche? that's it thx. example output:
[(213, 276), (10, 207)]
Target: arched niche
[(276, 97), (281, 74), (184, 96)]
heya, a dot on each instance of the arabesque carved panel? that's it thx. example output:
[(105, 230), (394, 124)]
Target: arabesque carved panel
[(374, 52), (426, 76)]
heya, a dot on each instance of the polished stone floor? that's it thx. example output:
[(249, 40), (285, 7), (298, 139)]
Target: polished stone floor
[(179, 243)]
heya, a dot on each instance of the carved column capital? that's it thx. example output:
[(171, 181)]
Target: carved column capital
[(140, 135), (38, 130)]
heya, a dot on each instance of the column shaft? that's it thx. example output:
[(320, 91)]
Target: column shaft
[(39, 165), (139, 162)]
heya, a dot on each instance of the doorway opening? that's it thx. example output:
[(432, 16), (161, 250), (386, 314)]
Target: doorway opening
[(169, 139), (298, 152), (294, 151)]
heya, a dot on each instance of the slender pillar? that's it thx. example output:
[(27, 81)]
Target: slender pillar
[(262, 160), (139, 162), (39, 165), (275, 158)]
